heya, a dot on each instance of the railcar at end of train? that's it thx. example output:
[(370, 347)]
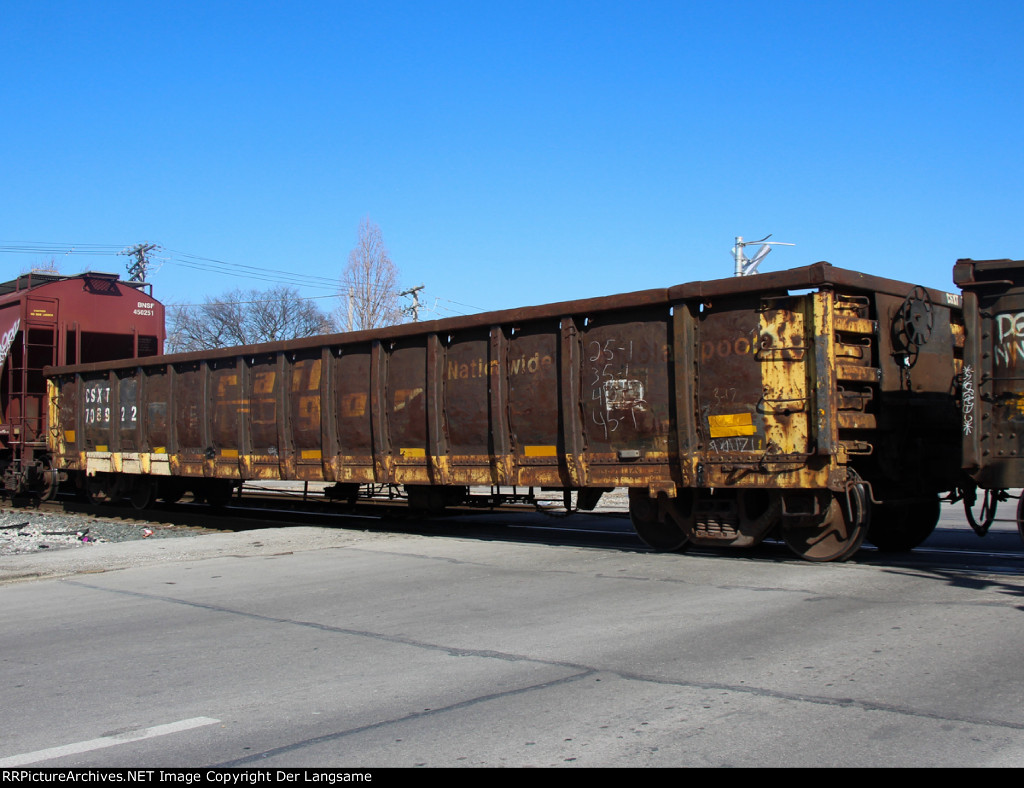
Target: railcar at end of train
[(817, 405), (992, 413), (49, 319)]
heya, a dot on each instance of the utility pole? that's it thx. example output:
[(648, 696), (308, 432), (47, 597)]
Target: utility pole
[(745, 266), (414, 310), (137, 270)]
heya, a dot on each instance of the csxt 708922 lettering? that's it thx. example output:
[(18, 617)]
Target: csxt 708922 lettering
[(817, 404)]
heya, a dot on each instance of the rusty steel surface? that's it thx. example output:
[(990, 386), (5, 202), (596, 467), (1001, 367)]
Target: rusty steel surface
[(992, 413), (731, 407), (737, 384), (813, 276)]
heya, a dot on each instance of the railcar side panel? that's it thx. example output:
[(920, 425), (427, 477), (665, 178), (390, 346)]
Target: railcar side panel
[(352, 385), (729, 408), (468, 439), (230, 413), (405, 413), (301, 407), (535, 425), (99, 403), (625, 370), (128, 412), (265, 446), (188, 425), (155, 429), (737, 391)]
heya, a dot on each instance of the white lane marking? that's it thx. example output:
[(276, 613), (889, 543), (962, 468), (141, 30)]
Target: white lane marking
[(105, 741)]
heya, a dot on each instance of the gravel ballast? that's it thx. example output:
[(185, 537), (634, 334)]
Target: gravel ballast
[(35, 545), (30, 531)]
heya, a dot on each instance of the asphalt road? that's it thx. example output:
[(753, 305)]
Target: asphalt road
[(510, 647)]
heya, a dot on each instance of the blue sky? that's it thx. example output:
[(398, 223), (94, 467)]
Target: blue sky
[(512, 153)]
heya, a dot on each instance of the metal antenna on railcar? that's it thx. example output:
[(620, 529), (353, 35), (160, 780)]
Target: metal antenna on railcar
[(745, 266)]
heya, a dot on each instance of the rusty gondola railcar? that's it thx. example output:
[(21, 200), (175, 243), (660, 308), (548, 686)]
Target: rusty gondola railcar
[(992, 416), (817, 404), (47, 319)]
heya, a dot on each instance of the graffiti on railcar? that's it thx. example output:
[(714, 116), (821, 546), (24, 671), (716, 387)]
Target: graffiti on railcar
[(968, 400), (621, 397), (617, 384), (1009, 346), (7, 340), (726, 445)]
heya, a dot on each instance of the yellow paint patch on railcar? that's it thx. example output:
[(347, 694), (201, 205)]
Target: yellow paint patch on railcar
[(731, 424)]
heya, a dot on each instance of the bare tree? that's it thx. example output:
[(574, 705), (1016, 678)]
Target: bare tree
[(45, 267), (245, 317), (369, 284)]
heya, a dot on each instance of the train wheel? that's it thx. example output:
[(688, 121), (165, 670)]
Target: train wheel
[(170, 490), (901, 526), (143, 493), (217, 493), (834, 536), (49, 481), (96, 491), (983, 520), (663, 535)]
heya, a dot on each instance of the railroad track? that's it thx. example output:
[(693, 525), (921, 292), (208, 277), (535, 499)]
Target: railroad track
[(950, 550), (259, 507)]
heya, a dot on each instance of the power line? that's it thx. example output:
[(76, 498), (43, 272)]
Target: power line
[(298, 281), (220, 302), (39, 247), (211, 264), (195, 260), (176, 258)]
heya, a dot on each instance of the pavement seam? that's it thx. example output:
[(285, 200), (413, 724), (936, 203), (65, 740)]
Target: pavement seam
[(581, 670)]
